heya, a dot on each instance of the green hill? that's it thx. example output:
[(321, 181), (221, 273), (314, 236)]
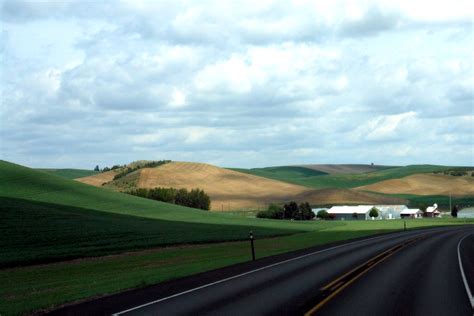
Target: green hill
[(70, 173), (344, 181), (44, 218), (284, 173)]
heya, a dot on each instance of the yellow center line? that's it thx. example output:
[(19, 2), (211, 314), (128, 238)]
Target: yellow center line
[(338, 285), (356, 268), (335, 286)]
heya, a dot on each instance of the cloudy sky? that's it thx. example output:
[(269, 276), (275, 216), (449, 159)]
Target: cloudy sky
[(237, 83)]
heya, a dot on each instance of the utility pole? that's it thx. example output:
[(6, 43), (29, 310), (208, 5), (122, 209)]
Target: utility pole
[(450, 201), (252, 246)]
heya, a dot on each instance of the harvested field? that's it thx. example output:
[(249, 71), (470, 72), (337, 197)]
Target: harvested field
[(230, 190), (98, 179), (425, 184)]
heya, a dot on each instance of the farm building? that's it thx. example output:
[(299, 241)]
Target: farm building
[(432, 211), (391, 211), (411, 213), (351, 212)]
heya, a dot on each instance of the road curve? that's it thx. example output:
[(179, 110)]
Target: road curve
[(410, 273)]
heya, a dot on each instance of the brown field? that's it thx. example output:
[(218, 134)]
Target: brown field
[(425, 184), (230, 190), (335, 169), (98, 179)]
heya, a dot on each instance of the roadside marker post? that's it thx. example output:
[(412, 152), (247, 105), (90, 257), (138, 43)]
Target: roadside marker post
[(404, 225), (252, 246)]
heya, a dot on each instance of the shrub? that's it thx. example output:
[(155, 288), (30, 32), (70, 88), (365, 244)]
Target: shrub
[(454, 211), (374, 213), (323, 214), (266, 214)]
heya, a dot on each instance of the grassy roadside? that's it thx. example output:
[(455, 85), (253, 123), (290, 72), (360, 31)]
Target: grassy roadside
[(32, 288)]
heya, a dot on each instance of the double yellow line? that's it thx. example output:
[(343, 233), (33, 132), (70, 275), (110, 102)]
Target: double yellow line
[(330, 290)]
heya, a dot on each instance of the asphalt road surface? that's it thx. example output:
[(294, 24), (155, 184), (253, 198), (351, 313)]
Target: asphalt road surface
[(405, 273)]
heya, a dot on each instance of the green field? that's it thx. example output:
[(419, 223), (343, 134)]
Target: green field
[(441, 200), (343, 181), (44, 286), (284, 173), (37, 232), (45, 218), (70, 173)]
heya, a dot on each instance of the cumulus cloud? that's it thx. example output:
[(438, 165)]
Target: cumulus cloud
[(236, 83)]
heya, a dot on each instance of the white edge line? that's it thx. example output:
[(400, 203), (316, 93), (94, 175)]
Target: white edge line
[(243, 274), (469, 294)]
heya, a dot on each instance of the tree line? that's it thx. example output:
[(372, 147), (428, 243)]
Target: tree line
[(290, 210), (195, 198), (126, 170)]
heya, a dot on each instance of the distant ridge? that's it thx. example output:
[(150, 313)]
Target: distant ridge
[(345, 168)]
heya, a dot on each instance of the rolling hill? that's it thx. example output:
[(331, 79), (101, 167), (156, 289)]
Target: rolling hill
[(230, 189), (348, 168), (46, 218), (98, 179), (70, 173), (340, 179), (425, 184)]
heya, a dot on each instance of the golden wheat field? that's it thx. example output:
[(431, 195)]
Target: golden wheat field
[(98, 179), (425, 184), (231, 190)]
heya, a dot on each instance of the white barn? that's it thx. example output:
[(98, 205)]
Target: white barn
[(411, 213), (351, 212), (391, 211)]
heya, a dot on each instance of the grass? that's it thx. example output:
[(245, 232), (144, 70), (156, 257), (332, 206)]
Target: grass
[(342, 181), (37, 232), (70, 173), (32, 288), (283, 173)]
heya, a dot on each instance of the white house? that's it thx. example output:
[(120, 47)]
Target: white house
[(432, 211), (351, 212), (411, 213)]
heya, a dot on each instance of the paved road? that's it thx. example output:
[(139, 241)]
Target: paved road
[(407, 273)]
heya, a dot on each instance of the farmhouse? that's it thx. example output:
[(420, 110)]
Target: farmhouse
[(351, 212), (432, 211), (411, 213)]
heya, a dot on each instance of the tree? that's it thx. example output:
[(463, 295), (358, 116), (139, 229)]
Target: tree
[(323, 214), (97, 168), (306, 213), (374, 213), (290, 210), (454, 211), (275, 211)]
